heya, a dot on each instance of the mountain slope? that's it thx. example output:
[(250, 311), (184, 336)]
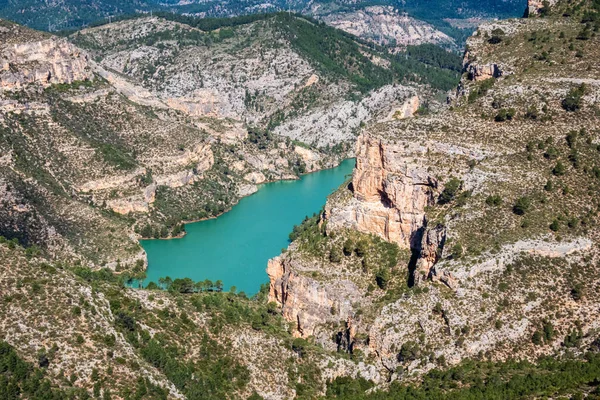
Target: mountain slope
[(69, 14), (468, 233), (467, 238), (266, 70), (139, 125), (387, 27)]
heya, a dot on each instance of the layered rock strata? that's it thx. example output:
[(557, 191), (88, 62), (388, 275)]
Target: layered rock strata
[(44, 62), (306, 302), (390, 193)]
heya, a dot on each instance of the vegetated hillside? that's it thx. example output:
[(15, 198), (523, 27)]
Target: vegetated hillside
[(377, 23), (470, 233), (468, 236), (85, 335), (276, 71), (136, 126)]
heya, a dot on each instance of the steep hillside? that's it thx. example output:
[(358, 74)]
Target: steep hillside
[(459, 262), (387, 27), (470, 233), (278, 71), (88, 335)]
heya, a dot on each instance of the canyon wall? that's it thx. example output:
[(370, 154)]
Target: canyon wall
[(390, 193), (44, 62), (307, 302)]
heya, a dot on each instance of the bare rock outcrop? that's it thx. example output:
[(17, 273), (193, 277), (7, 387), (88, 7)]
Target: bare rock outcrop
[(44, 62), (386, 25), (306, 301), (482, 72), (534, 7), (391, 192), (430, 252)]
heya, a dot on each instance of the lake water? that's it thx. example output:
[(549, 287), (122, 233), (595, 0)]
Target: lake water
[(236, 246)]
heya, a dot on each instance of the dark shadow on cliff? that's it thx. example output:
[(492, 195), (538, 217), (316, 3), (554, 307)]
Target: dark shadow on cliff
[(415, 249)]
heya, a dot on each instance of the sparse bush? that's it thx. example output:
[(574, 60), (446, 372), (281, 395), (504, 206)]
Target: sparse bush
[(571, 138), (551, 153), (505, 115), (348, 247), (532, 113), (537, 338), (559, 169), (577, 292), (361, 248), (408, 352), (572, 102), (522, 205), (335, 255), (457, 251), (450, 190), (493, 200), (382, 277)]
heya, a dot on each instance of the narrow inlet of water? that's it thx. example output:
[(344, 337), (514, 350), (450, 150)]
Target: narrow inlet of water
[(236, 246)]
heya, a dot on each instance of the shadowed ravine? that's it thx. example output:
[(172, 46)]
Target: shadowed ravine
[(235, 247)]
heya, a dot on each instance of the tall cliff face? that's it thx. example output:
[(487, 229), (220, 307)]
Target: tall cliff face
[(485, 276), (306, 302), (44, 62), (390, 193)]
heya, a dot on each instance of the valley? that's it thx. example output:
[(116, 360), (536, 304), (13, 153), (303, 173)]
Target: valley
[(235, 247), (459, 260)]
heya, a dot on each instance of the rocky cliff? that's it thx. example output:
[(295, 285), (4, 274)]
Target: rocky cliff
[(391, 190), (45, 61), (306, 302), (386, 26), (470, 195)]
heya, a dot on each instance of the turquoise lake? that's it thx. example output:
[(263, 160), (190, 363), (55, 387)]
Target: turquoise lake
[(236, 246)]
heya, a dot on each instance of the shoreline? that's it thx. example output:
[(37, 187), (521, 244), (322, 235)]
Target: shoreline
[(185, 222)]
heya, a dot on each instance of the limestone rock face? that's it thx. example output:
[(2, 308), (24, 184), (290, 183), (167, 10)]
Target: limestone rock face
[(43, 62), (385, 25), (309, 157), (255, 177), (534, 6), (126, 206), (306, 301), (430, 252), (390, 193), (483, 72), (340, 120), (409, 108)]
